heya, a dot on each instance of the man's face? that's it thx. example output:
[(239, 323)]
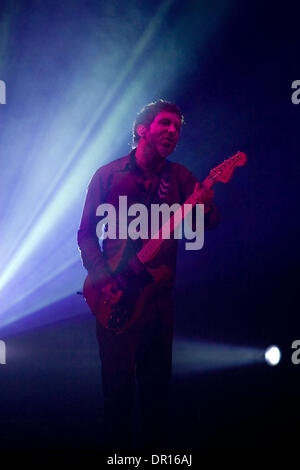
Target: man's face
[(163, 133)]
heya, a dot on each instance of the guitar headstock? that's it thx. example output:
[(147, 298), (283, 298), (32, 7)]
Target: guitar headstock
[(224, 171)]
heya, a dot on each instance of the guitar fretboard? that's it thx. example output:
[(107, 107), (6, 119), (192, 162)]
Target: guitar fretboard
[(151, 248)]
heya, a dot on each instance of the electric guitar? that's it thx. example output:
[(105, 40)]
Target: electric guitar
[(134, 283)]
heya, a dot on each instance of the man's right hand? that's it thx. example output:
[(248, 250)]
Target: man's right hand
[(111, 293), (107, 285)]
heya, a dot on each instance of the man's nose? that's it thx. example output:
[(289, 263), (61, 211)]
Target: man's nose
[(172, 128)]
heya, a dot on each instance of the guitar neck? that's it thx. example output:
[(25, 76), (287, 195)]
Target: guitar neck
[(151, 248)]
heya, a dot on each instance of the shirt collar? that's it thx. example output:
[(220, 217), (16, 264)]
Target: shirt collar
[(132, 165)]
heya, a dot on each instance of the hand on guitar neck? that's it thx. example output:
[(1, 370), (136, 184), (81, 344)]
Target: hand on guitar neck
[(204, 195)]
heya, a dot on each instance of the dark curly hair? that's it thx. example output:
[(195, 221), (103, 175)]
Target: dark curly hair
[(148, 114)]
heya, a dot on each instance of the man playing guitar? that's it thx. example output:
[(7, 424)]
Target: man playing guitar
[(142, 351)]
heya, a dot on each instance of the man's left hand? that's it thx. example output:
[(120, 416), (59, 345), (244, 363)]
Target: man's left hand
[(205, 196)]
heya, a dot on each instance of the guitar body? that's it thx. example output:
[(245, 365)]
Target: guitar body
[(134, 292), (119, 316)]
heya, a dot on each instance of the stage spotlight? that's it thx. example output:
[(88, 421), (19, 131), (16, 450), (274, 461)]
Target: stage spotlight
[(196, 356), (272, 355)]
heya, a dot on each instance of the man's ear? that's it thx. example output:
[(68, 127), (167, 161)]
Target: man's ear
[(141, 130)]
